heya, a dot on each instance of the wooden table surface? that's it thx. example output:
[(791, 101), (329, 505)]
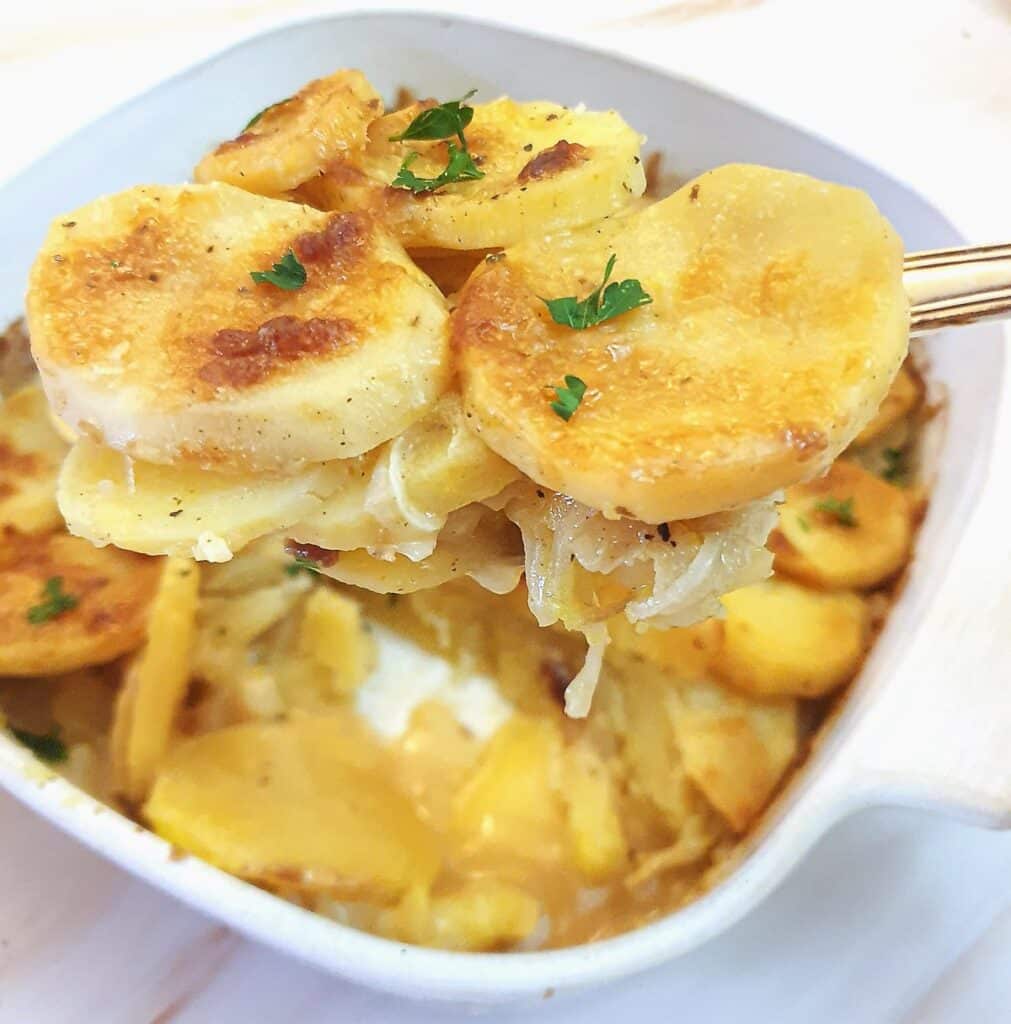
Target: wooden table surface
[(896, 916)]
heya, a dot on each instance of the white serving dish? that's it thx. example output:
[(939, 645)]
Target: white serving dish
[(927, 722)]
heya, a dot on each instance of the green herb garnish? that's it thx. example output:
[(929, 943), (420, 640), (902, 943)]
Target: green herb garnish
[(289, 274), (567, 399), (804, 524), (47, 747), (895, 464), (53, 604), (441, 122), (841, 510), (301, 563), (459, 167), (256, 117), (603, 303)]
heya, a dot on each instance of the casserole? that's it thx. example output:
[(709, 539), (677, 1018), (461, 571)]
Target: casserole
[(905, 730)]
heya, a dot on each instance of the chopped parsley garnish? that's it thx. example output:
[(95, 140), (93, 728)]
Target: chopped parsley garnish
[(603, 303), (441, 122), (53, 604), (459, 167), (47, 746), (840, 510), (567, 399), (300, 563), (804, 524), (895, 464), (256, 117), (289, 274)]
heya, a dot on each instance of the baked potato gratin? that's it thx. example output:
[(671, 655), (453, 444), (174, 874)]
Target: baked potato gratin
[(353, 470)]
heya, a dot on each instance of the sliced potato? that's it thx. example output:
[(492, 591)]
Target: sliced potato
[(819, 543), (112, 590), (735, 749), (546, 169), (396, 499), (781, 639), (599, 846), (297, 137), (153, 339), (777, 323), (333, 635), (156, 681), (905, 394), (480, 915), (684, 652), (182, 510), (475, 542), (30, 455), (510, 800), (304, 803)]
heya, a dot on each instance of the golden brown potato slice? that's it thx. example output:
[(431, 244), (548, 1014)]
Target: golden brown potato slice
[(41, 633), (156, 681), (905, 394), (546, 169), (736, 750), (153, 338), (293, 139), (303, 803), (781, 639), (848, 529), (30, 455), (182, 510), (777, 323)]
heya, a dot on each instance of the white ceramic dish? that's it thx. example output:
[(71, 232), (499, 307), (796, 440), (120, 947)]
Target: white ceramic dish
[(926, 723)]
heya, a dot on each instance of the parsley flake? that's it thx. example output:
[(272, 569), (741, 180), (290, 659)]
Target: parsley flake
[(441, 122), (459, 167), (301, 563), (53, 604), (840, 510), (895, 464), (567, 399), (46, 746), (288, 275), (603, 303), (256, 117), (804, 524)]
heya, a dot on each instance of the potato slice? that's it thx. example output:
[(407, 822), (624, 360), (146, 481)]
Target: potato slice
[(397, 499), (777, 323), (156, 681), (684, 652), (819, 543), (304, 803), (152, 337), (546, 169), (480, 915), (781, 639), (599, 846), (181, 510), (112, 590), (475, 542), (735, 749), (333, 635), (295, 138), (510, 800), (30, 455), (905, 394)]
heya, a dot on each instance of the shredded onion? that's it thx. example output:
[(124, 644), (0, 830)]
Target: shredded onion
[(671, 575)]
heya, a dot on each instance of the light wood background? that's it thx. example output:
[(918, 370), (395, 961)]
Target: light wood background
[(896, 916)]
